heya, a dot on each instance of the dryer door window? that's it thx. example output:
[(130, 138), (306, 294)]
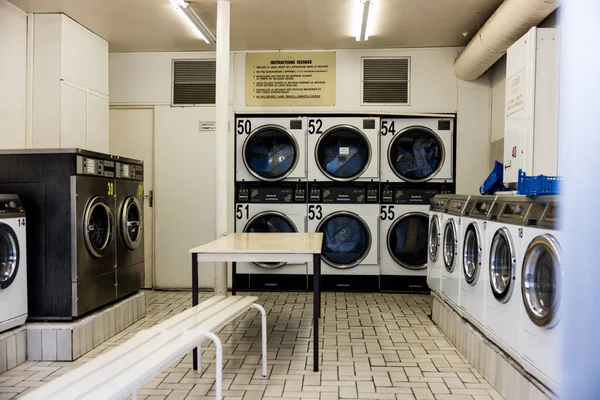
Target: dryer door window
[(434, 238), (502, 265), (343, 153), (270, 153), (472, 254), (541, 280), (131, 223), (416, 154), (97, 226), (270, 222), (9, 256), (407, 240), (346, 239), (450, 245)]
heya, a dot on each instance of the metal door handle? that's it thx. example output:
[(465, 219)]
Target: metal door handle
[(150, 197)]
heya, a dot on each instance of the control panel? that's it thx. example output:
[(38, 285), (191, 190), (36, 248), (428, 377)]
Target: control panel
[(480, 207), (11, 205), (402, 193), (514, 212), (458, 205), (549, 219), (350, 193), (95, 166), (130, 171), (266, 192)]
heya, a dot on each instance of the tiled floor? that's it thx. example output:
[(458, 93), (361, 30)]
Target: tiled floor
[(375, 346)]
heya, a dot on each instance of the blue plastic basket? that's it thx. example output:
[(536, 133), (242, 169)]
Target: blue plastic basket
[(540, 185), (493, 182)]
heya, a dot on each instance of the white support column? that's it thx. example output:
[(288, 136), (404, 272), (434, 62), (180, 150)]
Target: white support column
[(222, 120)]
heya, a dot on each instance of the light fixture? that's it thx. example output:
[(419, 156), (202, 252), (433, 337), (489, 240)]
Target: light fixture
[(188, 12), (364, 16)]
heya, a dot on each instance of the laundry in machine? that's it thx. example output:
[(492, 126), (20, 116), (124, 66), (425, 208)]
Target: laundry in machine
[(343, 149), (418, 150), (452, 241), (475, 262), (403, 233), (348, 216), (435, 259), (267, 207), (13, 262), (270, 148), (129, 220), (541, 283), (504, 301)]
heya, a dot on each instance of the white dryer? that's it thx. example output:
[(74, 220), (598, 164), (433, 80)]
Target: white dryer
[(13, 263), (270, 207), (452, 241), (417, 149), (343, 149), (435, 259), (270, 148), (348, 216), (541, 282), (475, 262), (403, 232)]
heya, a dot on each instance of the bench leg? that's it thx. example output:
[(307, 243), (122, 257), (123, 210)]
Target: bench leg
[(199, 351), (218, 365), (264, 336)]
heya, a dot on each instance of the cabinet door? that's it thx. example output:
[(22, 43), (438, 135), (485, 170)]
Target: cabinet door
[(97, 123), (73, 117)]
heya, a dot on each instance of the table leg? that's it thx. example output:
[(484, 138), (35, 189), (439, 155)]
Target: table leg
[(316, 308), (195, 298), (233, 271)]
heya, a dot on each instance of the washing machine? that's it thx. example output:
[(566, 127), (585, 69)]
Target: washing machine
[(417, 149), (403, 232), (129, 224), (541, 282), (435, 259), (13, 262), (343, 149), (270, 149), (452, 241), (270, 207), (348, 216), (503, 300), (474, 285)]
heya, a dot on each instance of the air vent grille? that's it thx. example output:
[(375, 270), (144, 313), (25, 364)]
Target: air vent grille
[(386, 80), (194, 82)]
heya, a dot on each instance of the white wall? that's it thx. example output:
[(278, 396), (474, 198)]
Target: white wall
[(13, 78)]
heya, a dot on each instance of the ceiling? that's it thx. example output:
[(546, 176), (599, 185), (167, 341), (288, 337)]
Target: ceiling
[(154, 25)]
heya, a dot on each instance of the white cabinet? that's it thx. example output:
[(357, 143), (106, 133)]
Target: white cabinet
[(70, 85), (531, 106)]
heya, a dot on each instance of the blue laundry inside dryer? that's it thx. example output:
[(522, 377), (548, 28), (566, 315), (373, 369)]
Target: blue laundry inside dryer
[(408, 239), (270, 153), (343, 153), (345, 240), (416, 154)]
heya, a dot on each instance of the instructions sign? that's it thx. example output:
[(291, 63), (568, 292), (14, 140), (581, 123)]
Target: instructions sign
[(290, 79), (515, 96)]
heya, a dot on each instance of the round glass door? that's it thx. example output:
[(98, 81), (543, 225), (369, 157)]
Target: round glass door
[(346, 239), (343, 153), (97, 226), (270, 153), (472, 254), (541, 280), (9, 256), (407, 240), (131, 223), (416, 154), (434, 238), (502, 265), (270, 222), (450, 245)]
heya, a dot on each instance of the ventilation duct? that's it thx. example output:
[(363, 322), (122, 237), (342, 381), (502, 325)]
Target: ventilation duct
[(509, 23)]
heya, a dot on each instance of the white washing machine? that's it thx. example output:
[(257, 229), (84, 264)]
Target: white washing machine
[(541, 282), (403, 232), (270, 149), (435, 259), (417, 149), (452, 241), (270, 207), (475, 262), (13, 263), (348, 216), (503, 301), (343, 149)]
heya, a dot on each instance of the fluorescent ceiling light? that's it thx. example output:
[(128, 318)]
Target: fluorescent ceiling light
[(363, 19), (184, 8)]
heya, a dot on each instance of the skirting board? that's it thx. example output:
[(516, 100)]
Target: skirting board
[(498, 368)]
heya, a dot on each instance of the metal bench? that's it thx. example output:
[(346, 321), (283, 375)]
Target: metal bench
[(122, 370)]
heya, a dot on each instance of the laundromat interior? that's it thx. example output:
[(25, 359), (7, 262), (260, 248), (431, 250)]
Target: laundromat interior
[(299, 199)]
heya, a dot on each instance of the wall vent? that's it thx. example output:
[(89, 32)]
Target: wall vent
[(194, 82), (386, 80)]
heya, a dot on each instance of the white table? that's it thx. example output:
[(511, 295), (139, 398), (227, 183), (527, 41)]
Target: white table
[(265, 247)]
